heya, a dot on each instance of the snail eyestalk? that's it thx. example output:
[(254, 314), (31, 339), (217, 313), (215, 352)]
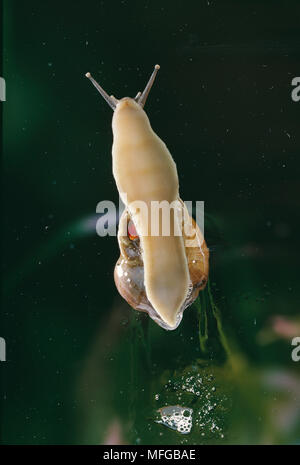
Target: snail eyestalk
[(111, 101), (136, 98), (143, 97)]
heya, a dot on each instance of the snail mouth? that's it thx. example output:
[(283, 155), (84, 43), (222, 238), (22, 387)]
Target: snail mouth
[(127, 102)]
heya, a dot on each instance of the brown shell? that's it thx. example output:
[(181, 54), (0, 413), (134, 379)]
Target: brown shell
[(129, 269)]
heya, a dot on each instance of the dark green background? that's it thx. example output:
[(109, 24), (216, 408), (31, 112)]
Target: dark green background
[(222, 103)]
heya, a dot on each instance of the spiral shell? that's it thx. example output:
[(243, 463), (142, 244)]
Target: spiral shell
[(129, 269)]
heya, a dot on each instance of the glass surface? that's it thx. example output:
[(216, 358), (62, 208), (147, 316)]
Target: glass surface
[(82, 366)]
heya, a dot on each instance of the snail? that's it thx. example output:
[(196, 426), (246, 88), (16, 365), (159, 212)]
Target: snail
[(157, 273)]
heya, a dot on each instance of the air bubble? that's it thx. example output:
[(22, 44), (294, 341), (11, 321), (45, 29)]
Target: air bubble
[(177, 418)]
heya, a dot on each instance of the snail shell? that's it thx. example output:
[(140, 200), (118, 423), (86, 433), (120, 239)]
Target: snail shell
[(129, 269)]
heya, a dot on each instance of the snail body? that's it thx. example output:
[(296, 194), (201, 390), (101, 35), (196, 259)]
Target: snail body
[(156, 273)]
